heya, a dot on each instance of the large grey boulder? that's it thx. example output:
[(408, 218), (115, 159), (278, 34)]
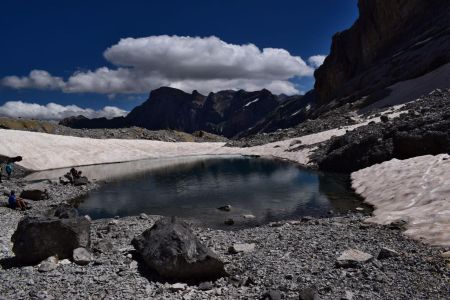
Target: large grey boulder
[(39, 237), (172, 250)]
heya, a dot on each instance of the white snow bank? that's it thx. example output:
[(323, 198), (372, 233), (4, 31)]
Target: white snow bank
[(416, 190), (42, 151)]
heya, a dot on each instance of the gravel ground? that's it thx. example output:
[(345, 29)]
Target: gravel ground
[(289, 257)]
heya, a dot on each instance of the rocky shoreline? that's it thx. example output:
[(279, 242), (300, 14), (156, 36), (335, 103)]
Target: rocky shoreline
[(290, 258)]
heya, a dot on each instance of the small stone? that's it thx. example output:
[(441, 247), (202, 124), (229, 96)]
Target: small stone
[(178, 287), (245, 248), (81, 256), (387, 253), (398, 225), (113, 222), (87, 217), (309, 293), (249, 216), (225, 208), (289, 276), (49, 264), (205, 286), (347, 296), (65, 262), (129, 255), (229, 222), (352, 258), (445, 254), (133, 265), (359, 209), (143, 216), (271, 295)]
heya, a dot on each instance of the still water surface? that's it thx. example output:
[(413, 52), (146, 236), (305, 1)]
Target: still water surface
[(268, 189)]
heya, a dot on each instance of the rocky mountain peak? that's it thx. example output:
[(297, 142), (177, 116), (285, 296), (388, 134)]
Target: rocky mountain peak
[(391, 41)]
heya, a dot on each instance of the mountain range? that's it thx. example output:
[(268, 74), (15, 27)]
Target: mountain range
[(391, 42)]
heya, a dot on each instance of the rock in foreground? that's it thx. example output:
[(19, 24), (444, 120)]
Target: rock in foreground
[(172, 250), (37, 238)]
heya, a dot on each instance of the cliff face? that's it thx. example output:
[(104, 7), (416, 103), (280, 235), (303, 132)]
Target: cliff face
[(226, 112), (392, 40)]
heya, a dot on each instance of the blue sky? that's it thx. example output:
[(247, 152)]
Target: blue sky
[(69, 38)]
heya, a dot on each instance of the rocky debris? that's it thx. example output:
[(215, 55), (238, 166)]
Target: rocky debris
[(81, 256), (229, 222), (205, 286), (80, 181), (309, 293), (384, 118), (406, 136), (34, 192), (172, 249), (225, 208), (140, 133), (238, 248), (143, 216), (336, 118), (103, 246), (178, 287), (445, 254), (39, 237), (352, 258), (398, 225), (420, 274), (74, 177), (347, 296), (271, 295), (49, 264), (63, 211), (387, 253)]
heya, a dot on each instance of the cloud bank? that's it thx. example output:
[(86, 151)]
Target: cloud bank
[(53, 111), (189, 63)]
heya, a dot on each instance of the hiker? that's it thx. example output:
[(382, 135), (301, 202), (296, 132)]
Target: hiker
[(1, 172), (14, 201), (9, 169)]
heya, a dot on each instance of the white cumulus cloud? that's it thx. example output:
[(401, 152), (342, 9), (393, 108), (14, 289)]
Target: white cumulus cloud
[(204, 64), (316, 60), (53, 111), (37, 79)]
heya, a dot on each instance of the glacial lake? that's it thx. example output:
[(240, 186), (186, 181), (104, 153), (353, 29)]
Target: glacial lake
[(194, 188)]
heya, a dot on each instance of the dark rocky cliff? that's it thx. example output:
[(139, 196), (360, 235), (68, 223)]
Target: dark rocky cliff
[(226, 112), (392, 40)]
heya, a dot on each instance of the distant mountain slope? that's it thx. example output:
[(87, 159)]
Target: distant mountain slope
[(226, 112)]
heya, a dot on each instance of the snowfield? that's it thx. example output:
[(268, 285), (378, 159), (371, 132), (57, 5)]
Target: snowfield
[(416, 190)]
